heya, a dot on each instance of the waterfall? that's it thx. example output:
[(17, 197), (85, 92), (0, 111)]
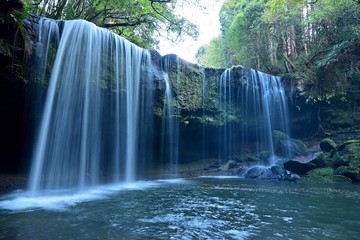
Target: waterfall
[(99, 93), (258, 107), (203, 105), (170, 124), (226, 99), (98, 124), (268, 100)]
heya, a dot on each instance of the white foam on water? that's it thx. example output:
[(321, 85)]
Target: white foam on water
[(236, 234), (221, 177), (61, 200), (49, 202), (288, 219), (173, 180)]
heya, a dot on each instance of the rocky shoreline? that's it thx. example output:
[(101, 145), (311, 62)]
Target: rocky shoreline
[(329, 160), (332, 159)]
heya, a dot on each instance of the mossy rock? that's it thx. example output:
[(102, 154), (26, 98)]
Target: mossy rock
[(247, 158), (240, 159), (350, 172), (328, 158), (341, 178), (326, 179), (277, 170), (253, 159), (327, 145), (323, 172), (301, 148), (343, 146), (325, 175), (339, 161), (315, 179), (278, 136), (284, 145), (352, 141), (264, 155), (348, 153)]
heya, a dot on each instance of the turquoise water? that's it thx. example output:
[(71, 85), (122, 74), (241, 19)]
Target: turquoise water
[(203, 208)]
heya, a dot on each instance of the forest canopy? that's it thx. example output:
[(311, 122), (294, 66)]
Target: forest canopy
[(264, 34), (314, 42), (140, 21)]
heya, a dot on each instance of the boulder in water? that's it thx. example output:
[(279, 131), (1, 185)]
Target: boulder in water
[(274, 172), (256, 172), (277, 170), (303, 164)]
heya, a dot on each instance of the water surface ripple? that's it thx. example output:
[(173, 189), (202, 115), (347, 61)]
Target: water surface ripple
[(204, 208)]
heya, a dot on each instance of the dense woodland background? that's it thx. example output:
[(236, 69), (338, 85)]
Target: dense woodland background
[(315, 42)]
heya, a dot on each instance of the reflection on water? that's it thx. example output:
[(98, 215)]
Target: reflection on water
[(204, 208)]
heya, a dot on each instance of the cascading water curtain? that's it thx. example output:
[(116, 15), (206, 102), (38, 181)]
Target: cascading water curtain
[(226, 100), (263, 107), (251, 115), (97, 98), (170, 124)]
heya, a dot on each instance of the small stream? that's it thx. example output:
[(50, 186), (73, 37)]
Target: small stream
[(201, 208)]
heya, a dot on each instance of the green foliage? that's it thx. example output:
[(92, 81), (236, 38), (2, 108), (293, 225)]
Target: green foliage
[(5, 48), (196, 98), (210, 54), (186, 81), (140, 21), (332, 54), (323, 172), (16, 15), (315, 43)]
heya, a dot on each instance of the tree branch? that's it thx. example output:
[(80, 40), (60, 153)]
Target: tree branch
[(123, 24), (160, 1)]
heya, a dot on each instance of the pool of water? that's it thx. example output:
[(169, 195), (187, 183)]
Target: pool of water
[(202, 208)]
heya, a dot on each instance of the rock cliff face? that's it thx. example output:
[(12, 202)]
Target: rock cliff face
[(194, 89), (13, 92)]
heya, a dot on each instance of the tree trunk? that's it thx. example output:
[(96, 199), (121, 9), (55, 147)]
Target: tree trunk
[(320, 129)]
